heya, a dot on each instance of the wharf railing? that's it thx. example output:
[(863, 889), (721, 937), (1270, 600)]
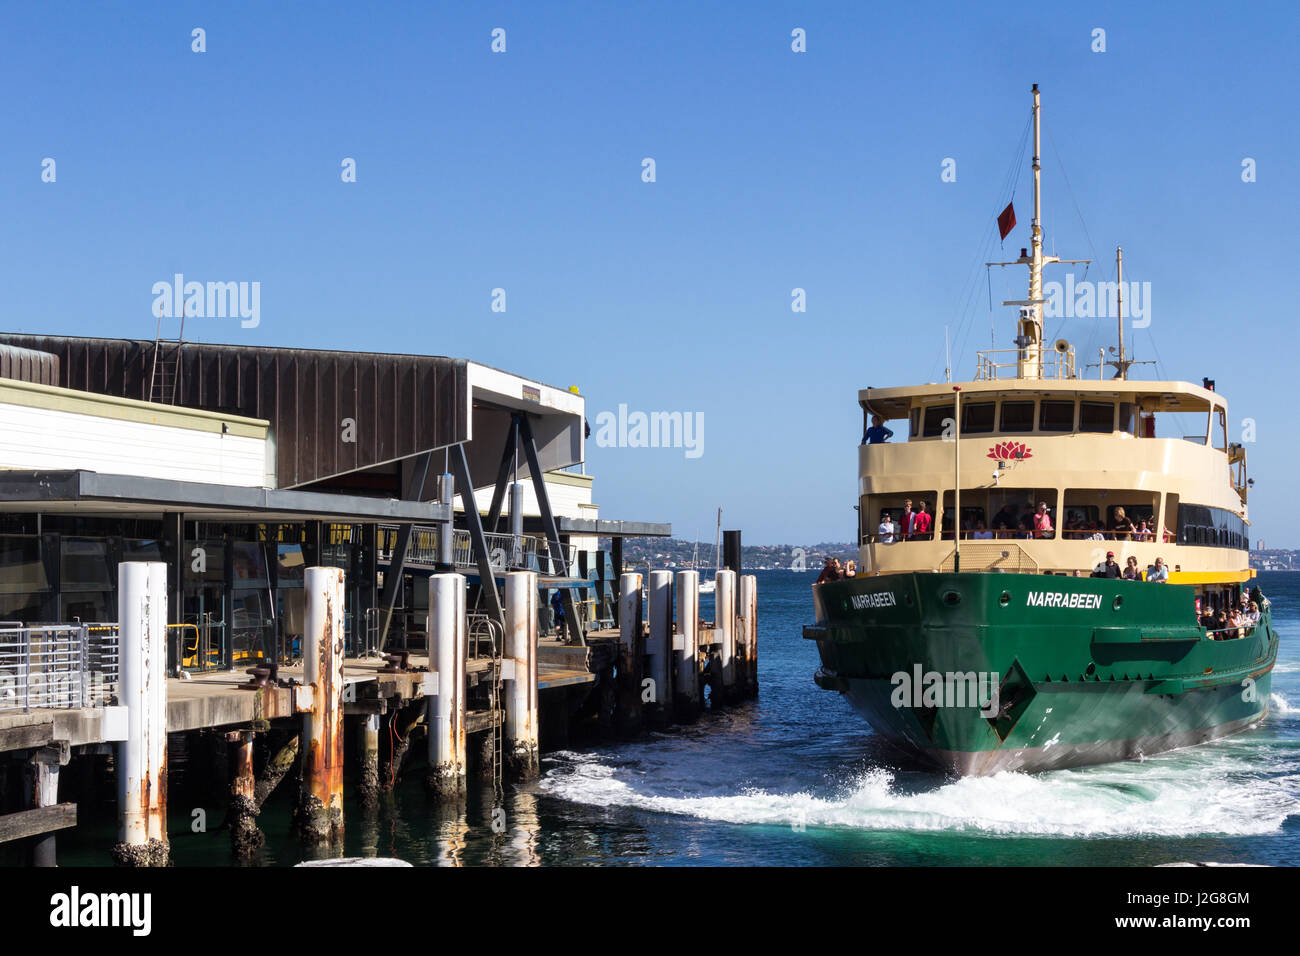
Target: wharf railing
[(506, 552), (48, 666)]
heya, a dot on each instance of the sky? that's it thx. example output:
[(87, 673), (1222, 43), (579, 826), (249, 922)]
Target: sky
[(774, 170)]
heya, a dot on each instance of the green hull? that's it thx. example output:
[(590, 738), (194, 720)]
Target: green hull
[(1076, 670)]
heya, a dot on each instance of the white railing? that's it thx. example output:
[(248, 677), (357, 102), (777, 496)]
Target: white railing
[(1005, 363), (58, 666)]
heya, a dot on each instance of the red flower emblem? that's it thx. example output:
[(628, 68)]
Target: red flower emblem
[(1010, 451)]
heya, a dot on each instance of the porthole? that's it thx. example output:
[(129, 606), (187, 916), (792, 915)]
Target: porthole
[(1005, 599), (952, 598), (1119, 602)]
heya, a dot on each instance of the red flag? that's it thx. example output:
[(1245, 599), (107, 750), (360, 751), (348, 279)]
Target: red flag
[(1007, 220)]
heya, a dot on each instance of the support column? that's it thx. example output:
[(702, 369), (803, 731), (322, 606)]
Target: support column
[(245, 837), (45, 793), (520, 750), (320, 810), (368, 763), (616, 560), (724, 619), (747, 621), (446, 705), (142, 757), (686, 698), (659, 646), (628, 716)]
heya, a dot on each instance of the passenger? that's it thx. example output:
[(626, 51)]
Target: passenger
[(1026, 529), (828, 572), (906, 521), (1109, 569), (1253, 614), (885, 533), (1143, 531), (1096, 533), (851, 570), (1158, 572), (921, 523), (1221, 625), (877, 433), (557, 605), (1131, 572), (1001, 531), (838, 567), (981, 533), (1007, 516), (1121, 526), (1042, 522)]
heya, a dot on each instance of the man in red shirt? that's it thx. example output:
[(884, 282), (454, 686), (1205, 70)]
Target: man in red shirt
[(921, 523), (906, 520), (1042, 521)]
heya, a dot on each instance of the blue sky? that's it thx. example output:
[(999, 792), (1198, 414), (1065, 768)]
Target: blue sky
[(774, 170)]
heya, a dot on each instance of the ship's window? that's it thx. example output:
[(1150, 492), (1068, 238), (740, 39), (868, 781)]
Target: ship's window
[(977, 418), (1096, 417), (1057, 416), (1017, 416), (914, 424), (935, 418), (1219, 430)]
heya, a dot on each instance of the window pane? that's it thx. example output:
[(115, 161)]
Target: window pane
[(1017, 416), (1096, 417), (21, 569), (934, 418), (977, 418), (85, 565), (1057, 416)]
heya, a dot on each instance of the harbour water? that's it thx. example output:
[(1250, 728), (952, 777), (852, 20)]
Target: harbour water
[(795, 778)]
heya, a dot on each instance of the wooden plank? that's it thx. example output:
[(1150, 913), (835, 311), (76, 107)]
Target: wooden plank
[(26, 736), (26, 823), (477, 720)]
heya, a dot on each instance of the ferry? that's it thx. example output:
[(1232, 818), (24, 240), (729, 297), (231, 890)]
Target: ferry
[(1005, 636)]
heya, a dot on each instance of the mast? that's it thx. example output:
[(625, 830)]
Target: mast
[(1029, 340), (1119, 302)]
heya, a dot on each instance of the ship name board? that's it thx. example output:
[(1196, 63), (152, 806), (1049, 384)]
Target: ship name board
[(862, 602), (1062, 599)]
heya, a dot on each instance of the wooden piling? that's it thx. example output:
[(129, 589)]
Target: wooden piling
[(245, 837), (320, 810), (724, 619), (747, 631)]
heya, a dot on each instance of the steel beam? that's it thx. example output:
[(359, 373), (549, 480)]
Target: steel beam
[(482, 557), (553, 545)]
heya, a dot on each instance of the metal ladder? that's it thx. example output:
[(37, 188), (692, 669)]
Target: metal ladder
[(480, 626), (164, 376)]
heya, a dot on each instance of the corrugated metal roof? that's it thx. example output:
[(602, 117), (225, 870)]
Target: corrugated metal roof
[(29, 365)]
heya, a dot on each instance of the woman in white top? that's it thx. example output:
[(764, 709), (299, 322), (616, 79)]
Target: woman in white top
[(885, 533)]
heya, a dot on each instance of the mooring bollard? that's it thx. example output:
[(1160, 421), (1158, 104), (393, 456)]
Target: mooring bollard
[(142, 767), (747, 614), (724, 619), (659, 647), (320, 806), (446, 705), (521, 730), (628, 719), (686, 696), (245, 837)]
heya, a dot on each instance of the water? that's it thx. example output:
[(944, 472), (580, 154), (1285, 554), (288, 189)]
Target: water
[(796, 778)]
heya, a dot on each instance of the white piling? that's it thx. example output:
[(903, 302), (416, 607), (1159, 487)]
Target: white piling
[(45, 769), (446, 707), (630, 609), (659, 647), (747, 613), (724, 619), (321, 800), (142, 767), (521, 753), (686, 648)]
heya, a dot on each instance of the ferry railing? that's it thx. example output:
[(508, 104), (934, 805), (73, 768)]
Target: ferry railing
[(58, 666), (991, 364)]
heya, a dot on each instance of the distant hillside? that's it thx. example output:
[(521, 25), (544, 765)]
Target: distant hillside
[(673, 553)]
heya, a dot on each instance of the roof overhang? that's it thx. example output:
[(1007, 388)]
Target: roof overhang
[(89, 492), (610, 528), (895, 403)]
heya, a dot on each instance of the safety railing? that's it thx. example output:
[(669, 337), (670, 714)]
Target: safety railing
[(993, 364), (48, 666)]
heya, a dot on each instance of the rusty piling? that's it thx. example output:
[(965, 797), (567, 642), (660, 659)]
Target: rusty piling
[(320, 805), (445, 779), (368, 763), (686, 693), (142, 766), (245, 837), (520, 683)]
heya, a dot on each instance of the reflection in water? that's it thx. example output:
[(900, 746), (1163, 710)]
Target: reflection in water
[(524, 828), (450, 826)]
